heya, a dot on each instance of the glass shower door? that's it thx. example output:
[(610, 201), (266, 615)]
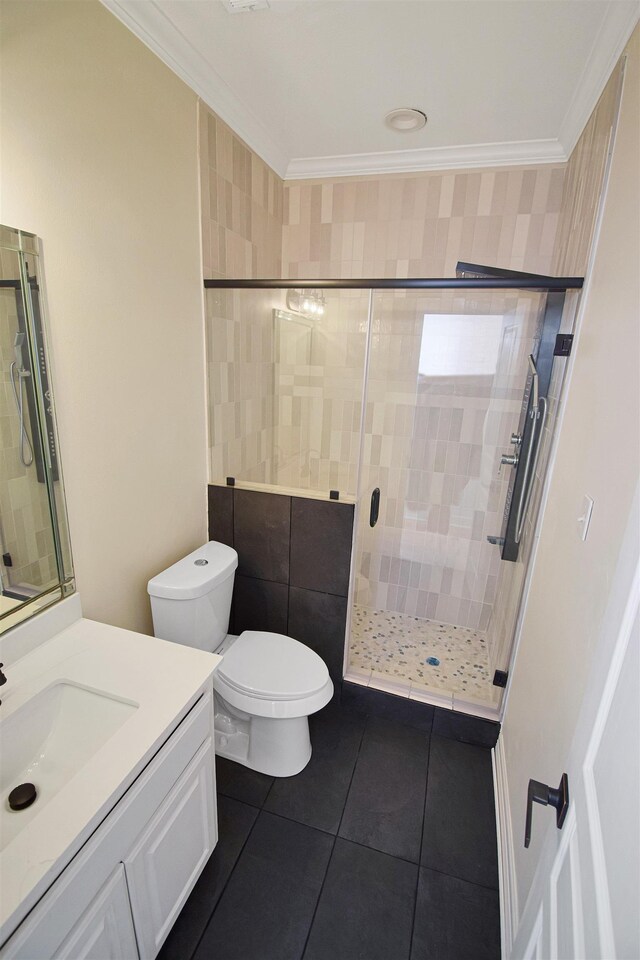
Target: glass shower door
[(443, 396), (286, 373)]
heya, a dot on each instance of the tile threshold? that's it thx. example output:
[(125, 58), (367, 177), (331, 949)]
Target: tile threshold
[(424, 695)]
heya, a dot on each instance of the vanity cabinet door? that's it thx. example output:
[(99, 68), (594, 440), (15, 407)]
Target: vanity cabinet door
[(105, 931), (164, 865)]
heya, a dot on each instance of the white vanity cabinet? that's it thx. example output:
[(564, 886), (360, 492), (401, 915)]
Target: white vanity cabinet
[(105, 930), (164, 865), (120, 895)]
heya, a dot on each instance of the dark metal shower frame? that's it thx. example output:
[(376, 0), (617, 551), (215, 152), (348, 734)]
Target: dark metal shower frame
[(469, 276), (525, 281)]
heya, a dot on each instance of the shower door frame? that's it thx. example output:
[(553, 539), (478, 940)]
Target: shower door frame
[(471, 277), (549, 330)]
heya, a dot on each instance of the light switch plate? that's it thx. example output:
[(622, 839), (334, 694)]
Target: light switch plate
[(585, 518)]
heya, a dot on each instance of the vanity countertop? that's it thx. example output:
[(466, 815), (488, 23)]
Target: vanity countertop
[(157, 682)]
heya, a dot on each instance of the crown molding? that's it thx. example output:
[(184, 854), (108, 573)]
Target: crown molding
[(154, 28), (617, 26), (468, 156)]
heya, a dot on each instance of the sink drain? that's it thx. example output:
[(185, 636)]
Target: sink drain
[(22, 796)]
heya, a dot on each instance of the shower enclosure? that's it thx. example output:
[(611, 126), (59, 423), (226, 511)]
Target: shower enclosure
[(430, 405)]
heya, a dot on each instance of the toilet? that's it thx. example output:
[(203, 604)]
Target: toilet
[(266, 685)]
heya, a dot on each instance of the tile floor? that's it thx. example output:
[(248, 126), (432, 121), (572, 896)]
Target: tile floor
[(399, 646), (383, 848)]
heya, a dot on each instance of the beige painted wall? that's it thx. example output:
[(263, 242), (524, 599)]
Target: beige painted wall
[(598, 455), (99, 158)]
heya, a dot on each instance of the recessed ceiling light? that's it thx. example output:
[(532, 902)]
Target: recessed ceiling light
[(405, 119)]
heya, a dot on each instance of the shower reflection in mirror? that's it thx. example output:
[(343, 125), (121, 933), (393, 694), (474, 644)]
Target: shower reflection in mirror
[(35, 566)]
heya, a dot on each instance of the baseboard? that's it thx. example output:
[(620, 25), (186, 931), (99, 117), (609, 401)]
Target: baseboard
[(506, 862)]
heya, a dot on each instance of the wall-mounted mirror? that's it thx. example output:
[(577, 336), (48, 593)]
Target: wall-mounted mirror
[(35, 554)]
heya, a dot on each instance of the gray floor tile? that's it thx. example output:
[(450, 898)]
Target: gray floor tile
[(377, 703), (459, 822), (235, 821), (385, 805), (455, 920), (366, 908), (317, 795), (460, 726), (266, 909), (241, 783)]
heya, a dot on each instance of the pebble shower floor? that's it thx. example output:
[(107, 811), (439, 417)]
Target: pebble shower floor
[(399, 646)]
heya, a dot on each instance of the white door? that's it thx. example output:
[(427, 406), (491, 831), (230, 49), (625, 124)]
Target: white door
[(585, 899)]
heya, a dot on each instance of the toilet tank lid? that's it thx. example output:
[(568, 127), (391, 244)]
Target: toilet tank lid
[(190, 577)]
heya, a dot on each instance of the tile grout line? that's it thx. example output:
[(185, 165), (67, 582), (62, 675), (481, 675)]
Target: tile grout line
[(323, 593), (224, 887), (444, 873), (363, 846), (335, 840), (248, 803), (454, 876), (424, 815), (353, 772), (315, 909)]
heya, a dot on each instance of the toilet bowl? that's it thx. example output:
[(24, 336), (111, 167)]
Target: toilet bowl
[(266, 684)]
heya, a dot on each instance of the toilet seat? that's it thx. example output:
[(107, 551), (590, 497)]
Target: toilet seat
[(271, 675)]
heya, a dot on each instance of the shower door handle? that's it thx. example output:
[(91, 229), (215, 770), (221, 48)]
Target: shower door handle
[(374, 509)]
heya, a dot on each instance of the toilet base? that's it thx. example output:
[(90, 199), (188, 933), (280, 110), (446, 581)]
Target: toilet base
[(277, 747)]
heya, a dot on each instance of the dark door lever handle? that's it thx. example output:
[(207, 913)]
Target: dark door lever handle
[(542, 793)]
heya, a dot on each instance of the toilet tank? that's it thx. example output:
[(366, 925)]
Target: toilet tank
[(191, 600)]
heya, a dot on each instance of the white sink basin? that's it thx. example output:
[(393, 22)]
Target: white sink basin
[(48, 740)]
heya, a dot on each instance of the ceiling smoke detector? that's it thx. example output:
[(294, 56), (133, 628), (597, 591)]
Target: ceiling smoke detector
[(245, 6), (405, 119)]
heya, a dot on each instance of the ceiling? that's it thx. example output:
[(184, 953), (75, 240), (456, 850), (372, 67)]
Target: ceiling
[(306, 83)]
